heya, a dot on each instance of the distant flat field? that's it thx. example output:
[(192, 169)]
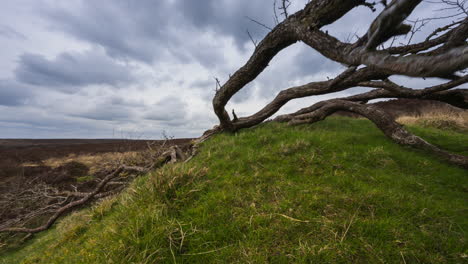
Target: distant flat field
[(25, 143), (14, 153), (61, 164), (14, 143)]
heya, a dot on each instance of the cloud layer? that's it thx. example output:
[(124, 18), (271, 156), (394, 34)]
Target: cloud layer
[(84, 68), (72, 70)]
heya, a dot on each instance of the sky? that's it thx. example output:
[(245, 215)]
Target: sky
[(141, 69)]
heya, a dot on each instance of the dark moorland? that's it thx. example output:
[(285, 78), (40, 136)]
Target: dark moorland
[(31, 168)]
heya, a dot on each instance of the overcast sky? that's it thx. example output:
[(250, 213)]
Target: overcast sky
[(113, 68)]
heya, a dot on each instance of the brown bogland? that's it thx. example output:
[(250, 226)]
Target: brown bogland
[(31, 169)]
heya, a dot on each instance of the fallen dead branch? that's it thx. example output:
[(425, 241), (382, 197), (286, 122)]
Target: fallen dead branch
[(67, 207)]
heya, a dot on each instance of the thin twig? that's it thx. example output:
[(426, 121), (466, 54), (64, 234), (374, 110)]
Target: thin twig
[(251, 39), (259, 23)]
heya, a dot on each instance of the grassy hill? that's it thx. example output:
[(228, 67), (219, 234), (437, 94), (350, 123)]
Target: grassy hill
[(334, 192)]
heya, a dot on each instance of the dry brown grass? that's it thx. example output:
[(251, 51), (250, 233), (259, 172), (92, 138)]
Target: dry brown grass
[(95, 162), (439, 119)]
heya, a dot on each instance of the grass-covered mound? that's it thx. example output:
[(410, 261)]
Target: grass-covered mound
[(334, 192)]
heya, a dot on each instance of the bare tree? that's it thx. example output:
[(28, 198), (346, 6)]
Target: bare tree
[(443, 54)]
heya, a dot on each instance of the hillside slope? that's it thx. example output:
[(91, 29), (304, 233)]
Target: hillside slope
[(334, 192)]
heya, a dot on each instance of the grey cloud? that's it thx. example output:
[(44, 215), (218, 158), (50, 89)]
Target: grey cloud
[(71, 69), (206, 87), (121, 101), (147, 30), (126, 29), (203, 84), (207, 90), (229, 19), (305, 62), (35, 123), (37, 118), (13, 93), (111, 108), (244, 94), (309, 61), (158, 33), (106, 114), (169, 109), (8, 32)]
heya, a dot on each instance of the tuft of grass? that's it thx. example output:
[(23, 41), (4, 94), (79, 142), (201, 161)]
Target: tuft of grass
[(84, 178), (334, 192)]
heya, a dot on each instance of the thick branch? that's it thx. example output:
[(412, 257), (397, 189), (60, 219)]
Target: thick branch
[(315, 15), (416, 65), (275, 41), (305, 25), (417, 47), (457, 38), (456, 97), (345, 80), (389, 22), (404, 91)]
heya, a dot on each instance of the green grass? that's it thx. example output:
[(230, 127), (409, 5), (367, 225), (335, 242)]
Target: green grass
[(334, 192)]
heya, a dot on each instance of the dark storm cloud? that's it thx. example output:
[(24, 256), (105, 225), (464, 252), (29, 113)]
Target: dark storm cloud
[(145, 30), (229, 18), (71, 69), (13, 93), (128, 29)]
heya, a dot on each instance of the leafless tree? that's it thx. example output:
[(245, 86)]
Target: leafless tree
[(443, 54)]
